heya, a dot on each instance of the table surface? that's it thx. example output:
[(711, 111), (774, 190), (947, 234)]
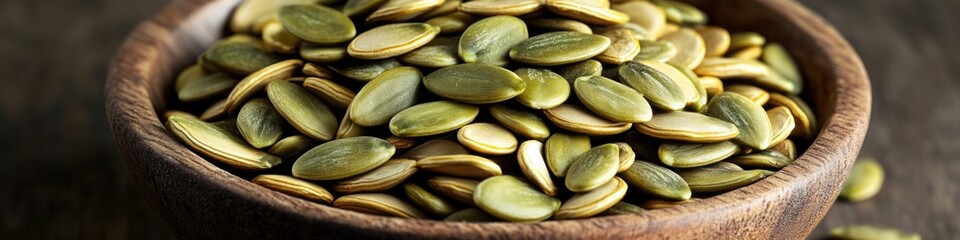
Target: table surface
[(62, 176)]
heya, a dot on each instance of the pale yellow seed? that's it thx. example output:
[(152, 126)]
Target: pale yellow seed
[(487, 138)]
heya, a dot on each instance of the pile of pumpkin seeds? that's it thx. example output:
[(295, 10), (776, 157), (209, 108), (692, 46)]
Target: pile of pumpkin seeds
[(490, 110)]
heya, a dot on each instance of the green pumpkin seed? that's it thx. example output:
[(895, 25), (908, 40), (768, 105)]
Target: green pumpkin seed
[(657, 181), (435, 147), (587, 13), (365, 71), (330, 92), (448, 7), (691, 94), (427, 201), (594, 168), (544, 88), (253, 12), (754, 93), (751, 120), (530, 157), (657, 87), (787, 148), (279, 39), (701, 92), (588, 204), (869, 232), (690, 48), (456, 188), (452, 23), (470, 215), (716, 39), (170, 113), (559, 24), (317, 24), (780, 60), (189, 74), (581, 69), (806, 123), (622, 208), (624, 46), (712, 180), (864, 181), (402, 143), (343, 158), (441, 52), (656, 51), (292, 146), (661, 204), (689, 127), (579, 119), (348, 128), (490, 40), (712, 85), (644, 146), (239, 58), (782, 123), (207, 87), (219, 144), (385, 96), (229, 126), (688, 14), (256, 82), (512, 199), (402, 10), (379, 204), (386, 176), (468, 166), (391, 40), (317, 71), (612, 99), (322, 54), (500, 7), (432, 118), (626, 156), (742, 40), (724, 68), (475, 83), (487, 138), (357, 8), (723, 166), (558, 48), (688, 155), (644, 14), (294, 187), (260, 123), (519, 121), (562, 149), (768, 159), (302, 110)]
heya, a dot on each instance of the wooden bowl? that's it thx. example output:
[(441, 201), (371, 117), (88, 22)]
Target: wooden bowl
[(197, 199)]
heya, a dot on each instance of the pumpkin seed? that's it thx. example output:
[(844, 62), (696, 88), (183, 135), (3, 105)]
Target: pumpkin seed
[(468, 166), (386, 176), (661, 204), (402, 10), (391, 40), (487, 138), (561, 149), (593, 168), (657, 87), (712, 85), (724, 68), (303, 110), (322, 54), (292, 146), (768, 159), (688, 155), (581, 69), (864, 181), (448, 7), (869, 232), (612, 99), (240, 58), (742, 40), (317, 24), (378, 204), (452, 23), (336, 95), (189, 74), (170, 113), (530, 157), (348, 128), (279, 39), (490, 40), (780, 60), (427, 201), (782, 123), (256, 82), (754, 93), (646, 147), (559, 24), (441, 52), (385, 96), (657, 181), (207, 87), (500, 7), (587, 13), (716, 39), (691, 48), (252, 13), (645, 14), (624, 46), (402, 143), (475, 83), (689, 127), (544, 88), (787, 148), (806, 123), (581, 120), (260, 123), (456, 188), (435, 147), (626, 156), (558, 48), (512, 199), (690, 91), (343, 158), (712, 180), (432, 118), (219, 144), (622, 208), (748, 53), (470, 215), (588, 204), (520, 121), (294, 187), (317, 71), (656, 51), (751, 120), (365, 71)]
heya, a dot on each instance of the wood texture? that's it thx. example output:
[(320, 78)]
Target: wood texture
[(65, 180)]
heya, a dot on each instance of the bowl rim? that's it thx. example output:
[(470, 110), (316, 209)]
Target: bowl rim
[(845, 128)]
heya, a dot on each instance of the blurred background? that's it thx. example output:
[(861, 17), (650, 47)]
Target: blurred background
[(62, 178)]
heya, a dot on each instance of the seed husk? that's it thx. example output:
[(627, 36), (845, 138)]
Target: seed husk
[(588, 204), (754, 93), (559, 24), (656, 51), (520, 121), (219, 144), (661, 91), (688, 155), (386, 176), (624, 46), (579, 119), (500, 7), (435, 147), (292, 146), (385, 96), (782, 123), (317, 24), (330, 92), (689, 127), (711, 180), (612, 100), (573, 71), (470, 215), (490, 40), (257, 81), (767, 159), (558, 48), (716, 39), (751, 120), (427, 201), (302, 110), (512, 199), (487, 138), (343, 158), (260, 123), (402, 10), (658, 181), (561, 149), (864, 181), (806, 123), (742, 40), (379, 204), (622, 208), (530, 157), (318, 53), (432, 118), (587, 13), (690, 48), (626, 156), (475, 83), (870, 232), (391, 40), (592, 169), (645, 14), (441, 52), (294, 187), (459, 189), (544, 88), (467, 166), (357, 8)]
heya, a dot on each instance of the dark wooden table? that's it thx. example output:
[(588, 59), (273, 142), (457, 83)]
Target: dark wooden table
[(61, 176)]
